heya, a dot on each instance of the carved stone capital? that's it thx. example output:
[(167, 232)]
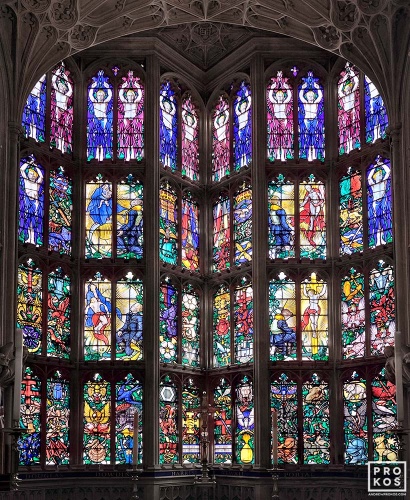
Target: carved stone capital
[(16, 131), (394, 132)]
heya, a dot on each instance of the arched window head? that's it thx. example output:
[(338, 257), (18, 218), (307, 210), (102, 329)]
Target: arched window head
[(62, 111), (242, 127), (168, 126), (190, 139), (348, 90), (221, 139), (34, 113), (375, 112)]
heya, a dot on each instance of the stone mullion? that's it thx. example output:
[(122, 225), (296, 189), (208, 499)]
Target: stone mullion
[(259, 271), (151, 311)]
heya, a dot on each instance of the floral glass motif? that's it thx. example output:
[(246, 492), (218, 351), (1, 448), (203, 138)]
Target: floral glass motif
[(351, 213), (98, 319), (130, 206), (379, 202), (242, 127), (30, 305), (31, 202), (221, 149), (168, 422), (223, 423), (375, 112), (58, 314), (353, 315), (28, 443), (190, 139), (190, 234), (221, 234), (355, 422), (243, 322), (312, 219), (190, 423), (281, 218), (382, 308), (98, 219), (222, 327), (279, 101), (348, 109), (129, 325), (316, 443), (34, 113), (168, 323), (62, 112), (282, 319), (60, 209), (242, 225), (129, 400), (168, 126), (100, 118), (190, 318), (168, 225), (384, 417), (311, 119), (245, 423), (57, 420), (284, 400), (314, 319), (97, 421), (130, 126)]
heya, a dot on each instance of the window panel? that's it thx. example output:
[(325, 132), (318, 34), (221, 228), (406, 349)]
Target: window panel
[(62, 111), (348, 90)]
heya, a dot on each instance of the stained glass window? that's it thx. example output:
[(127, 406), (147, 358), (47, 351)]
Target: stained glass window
[(130, 233), (190, 326), (60, 208), (282, 318), (190, 423), (222, 327), (59, 314), (190, 139), (242, 127), (97, 421), (58, 414), (312, 219), (130, 126), (284, 400), (375, 112), (242, 218), (384, 419), (221, 149), (100, 118), (243, 322), (168, 225), (223, 423), (129, 400), (351, 213), (353, 315), (168, 422), (168, 323), (379, 202), (129, 324), (31, 201), (30, 305), (221, 234), (314, 320), (168, 126), (311, 118), (382, 307), (355, 422), (279, 101), (29, 442), (281, 220), (316, 443), (190, 234), (62, 112), (245, 422), (349, 109), (34, 113), (97, 319)]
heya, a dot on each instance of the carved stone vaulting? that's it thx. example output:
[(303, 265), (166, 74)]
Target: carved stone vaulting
[(207, 49)]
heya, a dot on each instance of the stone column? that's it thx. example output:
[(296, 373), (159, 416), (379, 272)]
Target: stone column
[(151, 307), (260, 282)]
